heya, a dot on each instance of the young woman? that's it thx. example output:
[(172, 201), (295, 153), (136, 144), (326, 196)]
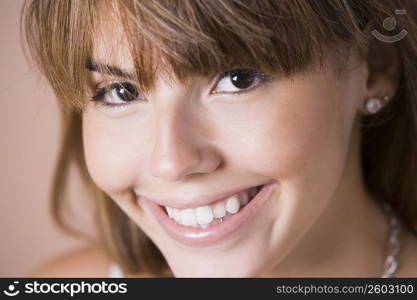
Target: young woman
[(236, 138)]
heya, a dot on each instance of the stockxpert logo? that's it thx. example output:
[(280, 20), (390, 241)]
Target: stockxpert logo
[(390, 24), (11, 290), (63, 288)]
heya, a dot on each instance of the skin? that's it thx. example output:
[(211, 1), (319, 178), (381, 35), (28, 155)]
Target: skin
[(301, 132)]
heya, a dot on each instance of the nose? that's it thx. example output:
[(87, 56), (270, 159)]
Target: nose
[(178, 151)]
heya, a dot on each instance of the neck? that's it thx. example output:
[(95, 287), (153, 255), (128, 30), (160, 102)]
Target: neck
[(349, 239)]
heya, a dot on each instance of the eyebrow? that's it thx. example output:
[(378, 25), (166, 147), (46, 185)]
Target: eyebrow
[(94, 66)]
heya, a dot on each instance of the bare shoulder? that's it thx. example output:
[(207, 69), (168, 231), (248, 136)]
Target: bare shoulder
[(89, 261), (408, 257)]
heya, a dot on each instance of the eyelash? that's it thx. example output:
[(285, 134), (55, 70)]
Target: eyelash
[(101, 92), (263, 78)]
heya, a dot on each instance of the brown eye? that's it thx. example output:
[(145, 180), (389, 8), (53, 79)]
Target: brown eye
[(118, 93), (242, 80), (239, 80), (124, 91)]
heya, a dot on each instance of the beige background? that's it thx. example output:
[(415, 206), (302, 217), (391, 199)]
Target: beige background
[(29, 130)]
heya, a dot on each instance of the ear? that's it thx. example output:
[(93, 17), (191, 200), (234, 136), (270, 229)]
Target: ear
[(384, 71)]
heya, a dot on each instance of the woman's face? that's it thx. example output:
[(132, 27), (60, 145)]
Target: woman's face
[(188, 146)]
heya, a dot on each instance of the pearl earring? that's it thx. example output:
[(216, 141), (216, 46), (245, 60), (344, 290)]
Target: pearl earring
[(374, 104)]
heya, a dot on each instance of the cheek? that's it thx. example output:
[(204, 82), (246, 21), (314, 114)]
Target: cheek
[(111, 155), (295, 135)]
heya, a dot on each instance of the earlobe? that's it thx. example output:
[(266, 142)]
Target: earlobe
[(384, 74), (374, 104)]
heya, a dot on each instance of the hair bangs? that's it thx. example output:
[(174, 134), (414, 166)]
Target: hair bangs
[(177, 39)]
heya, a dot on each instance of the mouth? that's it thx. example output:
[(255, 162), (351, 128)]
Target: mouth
[(210, 224), (210, 215)]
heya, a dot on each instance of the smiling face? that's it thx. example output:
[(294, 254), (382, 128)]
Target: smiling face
[(192, 145)]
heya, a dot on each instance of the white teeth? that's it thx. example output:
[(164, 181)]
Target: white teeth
[(232, 204), (204, 215), (188, 217), (177, 215), (219, 210), (169, 211)]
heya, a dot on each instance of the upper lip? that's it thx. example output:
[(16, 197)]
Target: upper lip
[(184, 202)]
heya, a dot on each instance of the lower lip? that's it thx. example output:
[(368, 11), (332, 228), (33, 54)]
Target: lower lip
[(212, 235)]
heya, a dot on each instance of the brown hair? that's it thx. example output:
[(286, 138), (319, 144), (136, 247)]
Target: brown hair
[(186, 38)]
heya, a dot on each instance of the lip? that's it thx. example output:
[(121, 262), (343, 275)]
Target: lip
[(212, 235)]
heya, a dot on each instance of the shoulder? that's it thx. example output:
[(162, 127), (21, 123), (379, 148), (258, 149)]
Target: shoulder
[(89, 261), (408, 256)]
